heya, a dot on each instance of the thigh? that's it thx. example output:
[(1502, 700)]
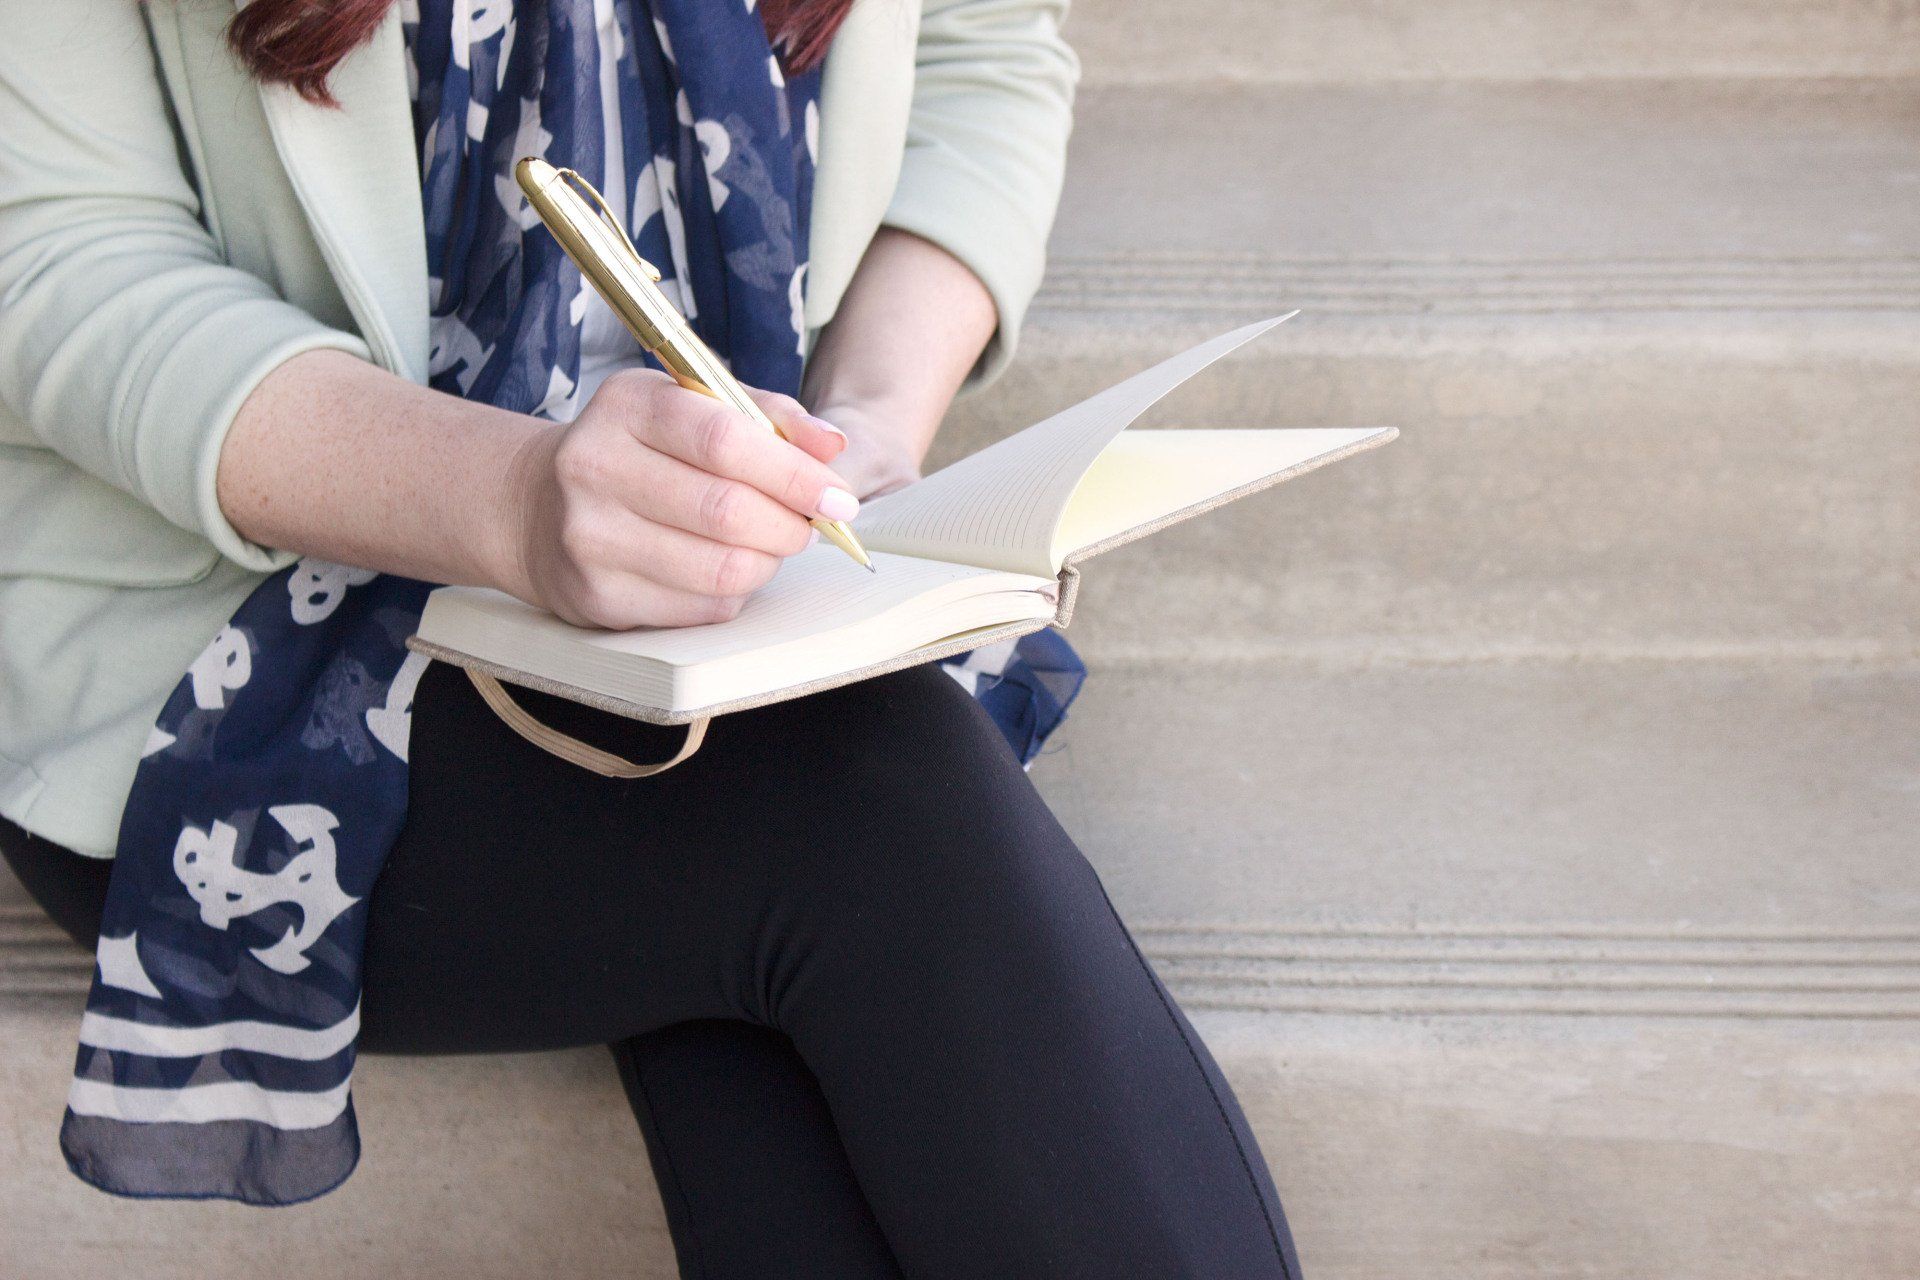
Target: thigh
[(531, 904), (516, 908), (752, 1172), (1014, 1088)]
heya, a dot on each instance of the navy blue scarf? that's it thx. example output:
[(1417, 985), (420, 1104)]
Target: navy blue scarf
[(217, 1047), (718, 179)]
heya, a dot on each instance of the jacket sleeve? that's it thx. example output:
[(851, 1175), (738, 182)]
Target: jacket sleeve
[(986, 147), (127, 344)]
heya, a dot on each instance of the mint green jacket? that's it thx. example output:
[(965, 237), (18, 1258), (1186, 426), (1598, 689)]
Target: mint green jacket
[(170, 232)]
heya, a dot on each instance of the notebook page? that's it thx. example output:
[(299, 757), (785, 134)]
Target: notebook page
[(817, 590), (821, 614), (1146, 476), (998, 508)]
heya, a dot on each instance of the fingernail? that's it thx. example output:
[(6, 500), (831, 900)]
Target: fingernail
[(824, 425), (813, 536), (838, 504)]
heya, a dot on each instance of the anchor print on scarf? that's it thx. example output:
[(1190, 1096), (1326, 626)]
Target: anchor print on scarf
[(204, 861)]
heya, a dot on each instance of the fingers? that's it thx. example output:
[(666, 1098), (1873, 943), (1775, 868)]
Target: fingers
[(624, 544), (667, 508), (619, 602), (709, 436), (650, 486), (815, 436)]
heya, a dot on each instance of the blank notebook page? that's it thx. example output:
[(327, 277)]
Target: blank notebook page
[(1146, 476), (998, 508)]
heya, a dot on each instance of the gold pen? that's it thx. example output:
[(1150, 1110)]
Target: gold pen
[(630, 284)]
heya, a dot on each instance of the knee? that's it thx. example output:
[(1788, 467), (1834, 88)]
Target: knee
[(922, 844)]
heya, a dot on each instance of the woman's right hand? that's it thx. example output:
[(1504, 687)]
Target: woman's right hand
[(659, 506)]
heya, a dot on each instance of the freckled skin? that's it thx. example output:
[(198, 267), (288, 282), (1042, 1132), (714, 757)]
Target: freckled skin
[(341, 461)]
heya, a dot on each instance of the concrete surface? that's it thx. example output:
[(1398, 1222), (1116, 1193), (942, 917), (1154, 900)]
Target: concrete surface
[(1654, 350), (1514, 1148), (1145, 42), (1613, 798), (471, 1169), (1765, 173)]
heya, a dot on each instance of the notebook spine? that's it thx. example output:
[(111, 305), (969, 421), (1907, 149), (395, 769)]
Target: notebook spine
[(1069, 593)]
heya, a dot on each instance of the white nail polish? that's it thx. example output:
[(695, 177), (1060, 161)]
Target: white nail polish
[(813, 536), (824, 425), (838, 504)]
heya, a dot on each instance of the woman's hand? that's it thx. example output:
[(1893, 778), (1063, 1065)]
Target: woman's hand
[(659, 506), (912, 323), (879, 456), (646, 509)]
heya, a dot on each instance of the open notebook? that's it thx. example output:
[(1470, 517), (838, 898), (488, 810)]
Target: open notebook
[(982, 550)]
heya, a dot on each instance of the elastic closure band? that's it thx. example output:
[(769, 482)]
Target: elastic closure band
[(571, 749)]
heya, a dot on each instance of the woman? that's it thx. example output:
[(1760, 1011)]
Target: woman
[(271, 308)]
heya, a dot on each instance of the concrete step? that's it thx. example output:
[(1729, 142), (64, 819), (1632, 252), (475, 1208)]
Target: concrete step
[(1690, 823), (1654, 350), (1275, 41), (1522, 970), (1576, 1149), (1586, 969), (495, 1168)]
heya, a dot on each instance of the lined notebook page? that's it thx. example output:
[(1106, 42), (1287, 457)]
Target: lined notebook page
[(998, 508)]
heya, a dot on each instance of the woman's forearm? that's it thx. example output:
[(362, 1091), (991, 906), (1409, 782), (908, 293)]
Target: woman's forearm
[(656, 506), (337, 458), (910, 328)]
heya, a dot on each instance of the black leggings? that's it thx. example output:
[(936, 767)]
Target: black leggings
[(872, 1008)]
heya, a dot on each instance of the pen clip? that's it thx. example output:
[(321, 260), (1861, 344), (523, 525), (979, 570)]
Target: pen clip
[(585, 188)]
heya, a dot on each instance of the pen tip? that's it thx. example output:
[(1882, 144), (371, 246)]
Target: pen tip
[(872, 567)]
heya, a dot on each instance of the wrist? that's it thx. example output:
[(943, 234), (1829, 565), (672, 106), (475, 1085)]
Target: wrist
[(502, 544), (884, 449)]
